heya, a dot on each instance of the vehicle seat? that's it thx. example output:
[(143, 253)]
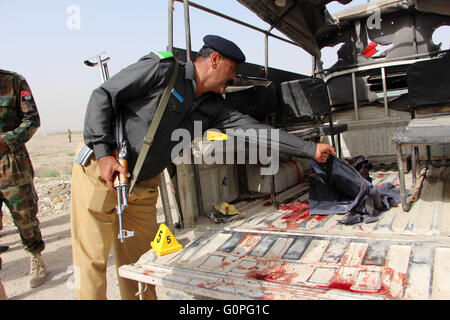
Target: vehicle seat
[(308, 98)]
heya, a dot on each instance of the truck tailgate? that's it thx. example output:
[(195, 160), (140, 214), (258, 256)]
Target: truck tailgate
[(273, 254)]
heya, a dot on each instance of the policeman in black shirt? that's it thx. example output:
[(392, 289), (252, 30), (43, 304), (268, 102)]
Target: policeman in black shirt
[(136, 91)]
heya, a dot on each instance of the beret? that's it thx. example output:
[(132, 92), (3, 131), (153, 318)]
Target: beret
[(226, 47)]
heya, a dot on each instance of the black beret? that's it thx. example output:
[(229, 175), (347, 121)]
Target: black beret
[(226, 47)]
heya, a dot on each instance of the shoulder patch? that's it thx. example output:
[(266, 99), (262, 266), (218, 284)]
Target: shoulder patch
[(26, 95), (164, 54)]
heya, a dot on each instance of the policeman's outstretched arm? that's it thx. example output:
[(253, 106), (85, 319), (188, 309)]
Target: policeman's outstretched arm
[(288, 143), (108, 168)]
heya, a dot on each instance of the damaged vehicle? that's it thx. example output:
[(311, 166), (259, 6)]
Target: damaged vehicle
[(384, 104)]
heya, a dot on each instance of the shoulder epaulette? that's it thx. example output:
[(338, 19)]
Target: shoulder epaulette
[(164, 54)]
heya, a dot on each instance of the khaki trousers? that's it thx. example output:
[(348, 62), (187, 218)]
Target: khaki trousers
[(94, 228)]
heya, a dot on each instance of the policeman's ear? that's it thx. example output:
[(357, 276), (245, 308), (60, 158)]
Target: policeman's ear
[(214, 59)]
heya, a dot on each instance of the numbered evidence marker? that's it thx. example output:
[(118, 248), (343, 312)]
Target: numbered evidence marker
[(165, 242)]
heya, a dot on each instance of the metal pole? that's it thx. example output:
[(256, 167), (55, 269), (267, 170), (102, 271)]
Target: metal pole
[(165, 201), (313, 66), (197, 6), (414, 34), (273, 194), (187, 25), (383, 77), (401, 174), (355, 96), (198, 188), (266, 55), (102, 72), (141, 290), (162, 179), (170, 29), (415, 163)]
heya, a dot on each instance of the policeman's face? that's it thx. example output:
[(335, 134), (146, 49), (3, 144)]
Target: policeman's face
[(223, 73)]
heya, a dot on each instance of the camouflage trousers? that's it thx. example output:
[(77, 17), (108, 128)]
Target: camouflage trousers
[(18, 194)]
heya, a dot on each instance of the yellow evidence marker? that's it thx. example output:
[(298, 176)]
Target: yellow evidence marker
[(165, 242)]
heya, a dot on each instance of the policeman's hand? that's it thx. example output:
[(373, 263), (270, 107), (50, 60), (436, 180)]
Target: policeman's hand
[(323, 152), (109, 166)]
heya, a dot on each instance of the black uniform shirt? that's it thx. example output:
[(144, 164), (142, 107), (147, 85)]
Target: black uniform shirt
[(136, 91)]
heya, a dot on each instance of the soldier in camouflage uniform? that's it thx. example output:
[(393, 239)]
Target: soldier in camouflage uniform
[(19, 120), (2, 288)]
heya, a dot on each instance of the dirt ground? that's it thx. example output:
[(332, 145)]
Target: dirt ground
[(52, 156)]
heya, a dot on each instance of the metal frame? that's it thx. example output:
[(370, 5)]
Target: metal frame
[(415, 169), (267, 34), (382, 66), (187, 4)]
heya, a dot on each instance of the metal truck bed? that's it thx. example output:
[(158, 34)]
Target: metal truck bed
[(274, 254)]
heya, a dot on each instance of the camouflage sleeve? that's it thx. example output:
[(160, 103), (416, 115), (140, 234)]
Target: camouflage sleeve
[(30, 120)]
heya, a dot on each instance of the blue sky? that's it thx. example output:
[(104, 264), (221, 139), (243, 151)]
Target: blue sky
[(37, 43), (41, 47)]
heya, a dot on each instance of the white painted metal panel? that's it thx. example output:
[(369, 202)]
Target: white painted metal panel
[(277, 255)]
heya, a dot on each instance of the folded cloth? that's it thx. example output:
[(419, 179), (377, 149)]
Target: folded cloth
[(338, 188)]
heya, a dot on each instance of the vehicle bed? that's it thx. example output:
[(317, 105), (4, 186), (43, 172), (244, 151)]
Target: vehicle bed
[(275, 254)]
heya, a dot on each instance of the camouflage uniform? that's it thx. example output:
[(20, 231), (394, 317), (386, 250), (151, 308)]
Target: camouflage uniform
[(2, 288), (19, 120)]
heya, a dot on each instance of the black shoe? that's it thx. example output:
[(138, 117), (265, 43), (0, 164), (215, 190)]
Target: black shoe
[(3, 249)]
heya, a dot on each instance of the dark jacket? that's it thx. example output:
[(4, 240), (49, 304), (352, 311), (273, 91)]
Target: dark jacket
[(136, 91), (337, 188)]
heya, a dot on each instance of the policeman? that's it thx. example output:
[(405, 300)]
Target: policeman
[(19, 120), (136, 92)]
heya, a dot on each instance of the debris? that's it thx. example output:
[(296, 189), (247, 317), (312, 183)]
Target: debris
[(226, 209), (217, 217)]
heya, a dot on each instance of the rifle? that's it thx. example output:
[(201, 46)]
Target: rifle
[(121, 182)]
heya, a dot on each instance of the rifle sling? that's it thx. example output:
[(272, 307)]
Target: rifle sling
[(148, 140)]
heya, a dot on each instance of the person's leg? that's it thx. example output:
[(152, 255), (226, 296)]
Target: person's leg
[(2, 288), (140, 217), (19, 195), (1, 214), (92, 227), (22, 203), (2, 291)]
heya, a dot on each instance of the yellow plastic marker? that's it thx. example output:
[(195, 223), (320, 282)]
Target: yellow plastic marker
[(165, 242), (214, 135)]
